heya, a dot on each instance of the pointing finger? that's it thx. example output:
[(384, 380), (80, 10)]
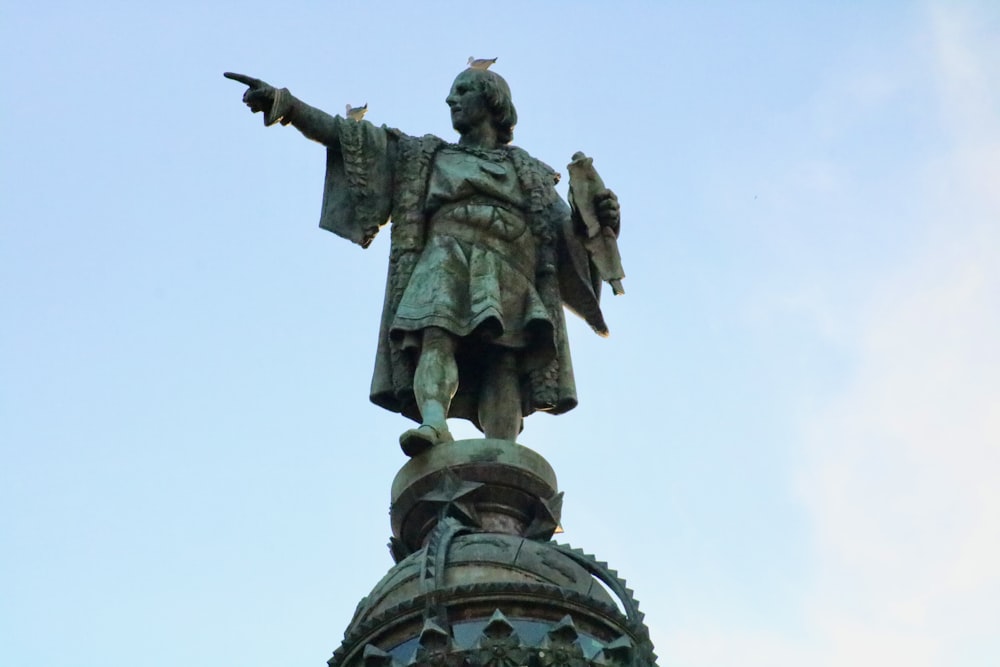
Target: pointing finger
[(244, 79)]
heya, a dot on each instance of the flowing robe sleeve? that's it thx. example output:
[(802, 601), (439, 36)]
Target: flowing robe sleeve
[(357, 190), (374, 174), (358, 187), (579, 282)]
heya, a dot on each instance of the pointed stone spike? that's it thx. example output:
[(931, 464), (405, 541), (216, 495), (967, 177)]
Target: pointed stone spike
[(498, 626), (565, 630), (432, 630), (616, 654), (376, 657)]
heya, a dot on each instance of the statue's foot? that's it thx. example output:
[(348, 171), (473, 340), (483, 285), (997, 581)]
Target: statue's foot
[(418, 440)]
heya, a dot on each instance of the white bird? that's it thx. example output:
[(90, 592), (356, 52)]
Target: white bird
[(481, 63), (357, 113)]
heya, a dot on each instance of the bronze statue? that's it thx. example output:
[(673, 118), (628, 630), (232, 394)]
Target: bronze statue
[(484, 254)]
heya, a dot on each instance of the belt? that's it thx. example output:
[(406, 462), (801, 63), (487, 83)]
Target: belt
[(518, 251)]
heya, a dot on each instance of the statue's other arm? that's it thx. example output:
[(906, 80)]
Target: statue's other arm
[(280, 106)]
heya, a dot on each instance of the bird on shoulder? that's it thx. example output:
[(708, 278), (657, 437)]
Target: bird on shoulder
[(356, 113)]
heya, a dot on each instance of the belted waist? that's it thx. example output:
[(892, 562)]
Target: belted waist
[(484, 222)]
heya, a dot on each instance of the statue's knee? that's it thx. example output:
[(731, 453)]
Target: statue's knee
[(436, 339)]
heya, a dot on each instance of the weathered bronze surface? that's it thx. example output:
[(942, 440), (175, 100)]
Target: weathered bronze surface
[(478, 580), (492, 485), (466, 590), (484, 255)]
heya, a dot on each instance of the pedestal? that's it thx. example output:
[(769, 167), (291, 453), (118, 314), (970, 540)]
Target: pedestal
[(478, 582)]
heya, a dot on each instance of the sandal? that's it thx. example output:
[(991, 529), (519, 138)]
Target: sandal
[(418, 440)]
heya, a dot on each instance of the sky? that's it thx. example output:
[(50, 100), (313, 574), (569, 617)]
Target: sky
[(789, 446)]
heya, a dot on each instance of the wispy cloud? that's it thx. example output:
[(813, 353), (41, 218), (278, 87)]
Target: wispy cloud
[(903, 468), (900, 473)]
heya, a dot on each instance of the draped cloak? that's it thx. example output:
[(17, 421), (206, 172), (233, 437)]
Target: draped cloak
[(378, 174)]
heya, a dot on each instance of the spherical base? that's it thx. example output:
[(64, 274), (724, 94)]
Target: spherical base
[(478, 581)]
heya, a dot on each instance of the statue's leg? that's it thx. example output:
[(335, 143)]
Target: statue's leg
[(500, 397), (435, 382)]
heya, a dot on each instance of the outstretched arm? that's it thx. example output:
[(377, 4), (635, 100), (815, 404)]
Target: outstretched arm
[(280, 106)]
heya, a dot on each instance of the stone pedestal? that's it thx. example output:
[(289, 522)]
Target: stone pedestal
[(478, 581), (494, 485)]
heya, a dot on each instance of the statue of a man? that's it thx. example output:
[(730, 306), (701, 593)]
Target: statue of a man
[(484, 255)]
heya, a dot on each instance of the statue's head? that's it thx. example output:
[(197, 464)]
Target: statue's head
[(478, 92)]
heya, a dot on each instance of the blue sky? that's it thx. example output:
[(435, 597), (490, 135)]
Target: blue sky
[(789, 446)]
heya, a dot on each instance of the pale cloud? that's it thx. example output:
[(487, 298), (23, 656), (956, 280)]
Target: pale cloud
[(902, 470), (900, 473)]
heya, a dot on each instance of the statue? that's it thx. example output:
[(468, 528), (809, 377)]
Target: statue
[(484, 255)]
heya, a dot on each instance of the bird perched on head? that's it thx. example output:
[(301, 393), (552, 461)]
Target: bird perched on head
[(481, 63), (356, 113)]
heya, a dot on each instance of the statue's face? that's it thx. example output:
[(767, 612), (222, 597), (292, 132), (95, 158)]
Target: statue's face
[(467, 102)]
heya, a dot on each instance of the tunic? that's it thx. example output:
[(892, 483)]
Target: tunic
[(476, 274)]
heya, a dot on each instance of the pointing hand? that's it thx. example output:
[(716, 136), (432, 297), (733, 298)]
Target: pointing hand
[(259, 95)]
